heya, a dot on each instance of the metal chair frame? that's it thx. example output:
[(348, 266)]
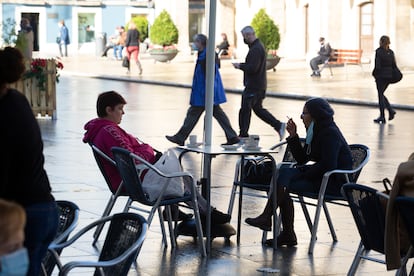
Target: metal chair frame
[(130, 223), (131, 166), (101, 157), (68, 220), (368, 210), (321, 198)]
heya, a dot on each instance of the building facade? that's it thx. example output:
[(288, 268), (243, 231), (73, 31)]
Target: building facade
[(347, 24)]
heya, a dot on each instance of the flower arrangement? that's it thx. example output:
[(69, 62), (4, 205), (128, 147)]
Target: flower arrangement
[(165, 49), (39, 70)]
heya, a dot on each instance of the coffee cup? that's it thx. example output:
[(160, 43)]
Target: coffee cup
[(193, 139), (253, 141)]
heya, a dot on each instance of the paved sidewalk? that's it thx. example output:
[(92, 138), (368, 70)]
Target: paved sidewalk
[(75, 176), (349, 85)]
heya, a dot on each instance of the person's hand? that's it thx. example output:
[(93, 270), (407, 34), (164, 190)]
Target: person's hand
[(291, 127)]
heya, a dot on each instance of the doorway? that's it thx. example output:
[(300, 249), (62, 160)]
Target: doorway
[(34, 23)]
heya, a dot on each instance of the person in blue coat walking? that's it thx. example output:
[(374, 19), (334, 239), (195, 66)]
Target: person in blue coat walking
[(197, 99)]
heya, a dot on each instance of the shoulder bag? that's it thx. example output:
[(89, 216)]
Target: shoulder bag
[(125, 62), (396, 75)]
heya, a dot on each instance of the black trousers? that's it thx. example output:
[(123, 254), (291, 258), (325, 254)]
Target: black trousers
[(383, 102), (253, 100)]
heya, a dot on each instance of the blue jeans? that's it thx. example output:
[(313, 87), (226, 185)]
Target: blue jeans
[(118, 51), (41, 227)]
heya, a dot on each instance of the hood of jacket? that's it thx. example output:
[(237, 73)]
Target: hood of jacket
[(93, 127), (319, 109)]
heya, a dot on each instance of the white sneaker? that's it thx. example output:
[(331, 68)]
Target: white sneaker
[(282, 131)]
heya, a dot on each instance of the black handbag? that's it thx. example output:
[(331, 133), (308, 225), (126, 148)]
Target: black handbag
[(125, 62), (258, 171), (396, 75), (58, 39)]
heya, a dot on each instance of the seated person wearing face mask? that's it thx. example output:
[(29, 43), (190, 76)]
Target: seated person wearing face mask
[(13, 256)]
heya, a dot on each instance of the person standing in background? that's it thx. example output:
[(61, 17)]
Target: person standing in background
[(384, 64), (132, 45), (255, 82), (26, 37), (23, 178), (63, 38)]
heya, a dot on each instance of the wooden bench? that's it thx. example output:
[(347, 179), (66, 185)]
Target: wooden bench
[(343, 58)]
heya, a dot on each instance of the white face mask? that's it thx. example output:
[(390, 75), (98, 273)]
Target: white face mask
[(14, 264)]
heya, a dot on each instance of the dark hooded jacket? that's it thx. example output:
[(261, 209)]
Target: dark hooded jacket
[(328, 148)]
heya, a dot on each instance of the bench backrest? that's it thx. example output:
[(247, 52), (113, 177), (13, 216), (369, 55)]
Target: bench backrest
[(343, 56)]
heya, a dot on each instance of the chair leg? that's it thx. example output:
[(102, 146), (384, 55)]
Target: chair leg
[(239, 211), (231, 201), (306, 213), (330, 224), (200, 235), (170, 227), (105, 213), (164, 234), (315, 228), (128, 205), (357, 259)]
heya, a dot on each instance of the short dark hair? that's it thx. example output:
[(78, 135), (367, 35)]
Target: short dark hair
[(11, 65), (105, 99)]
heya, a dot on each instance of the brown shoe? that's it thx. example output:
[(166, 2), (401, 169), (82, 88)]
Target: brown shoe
[(261, 222)]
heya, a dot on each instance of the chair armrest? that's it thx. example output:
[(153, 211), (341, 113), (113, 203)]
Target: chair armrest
[(278, 145), (132, 250), (326, 176), (146, 164), (383, 195), (102, 154), (56, 245)]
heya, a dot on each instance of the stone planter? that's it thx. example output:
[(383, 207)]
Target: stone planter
[(272, 62), (163, 56)]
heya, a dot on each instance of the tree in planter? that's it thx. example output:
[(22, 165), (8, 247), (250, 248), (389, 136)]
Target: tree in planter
[(142, 26), (267, 31), (164, 33)]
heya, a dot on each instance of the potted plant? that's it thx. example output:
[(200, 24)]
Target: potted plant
[(268, 33), (164, 36), (142, 26)]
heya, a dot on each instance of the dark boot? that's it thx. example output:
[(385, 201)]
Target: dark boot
[(287, 236), (391, 114), (264, 220)]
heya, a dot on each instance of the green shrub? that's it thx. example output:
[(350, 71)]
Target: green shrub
[(163, 31), (266, 30), (142, 26)]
